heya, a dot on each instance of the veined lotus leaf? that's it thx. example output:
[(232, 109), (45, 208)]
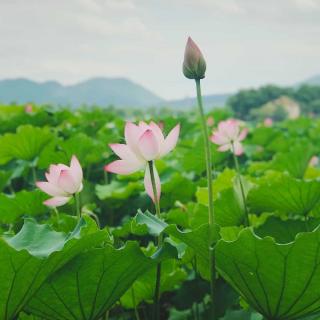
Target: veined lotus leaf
[(280, 281), (92, 282), (28, 258)]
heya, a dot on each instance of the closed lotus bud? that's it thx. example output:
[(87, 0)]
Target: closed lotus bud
[(194, 65)]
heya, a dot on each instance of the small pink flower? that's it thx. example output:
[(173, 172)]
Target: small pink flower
[(28, 108), (62, 182), (210, 121), (229, 136), (144, 142), (194, 65), (314, 161), (268, 122)]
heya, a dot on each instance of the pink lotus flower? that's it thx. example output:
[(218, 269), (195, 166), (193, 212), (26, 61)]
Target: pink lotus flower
[(229, 136), (210, 121), (268, 122), (144, 142), (28, 108), (62, 182), (314, 161), (194, 65)]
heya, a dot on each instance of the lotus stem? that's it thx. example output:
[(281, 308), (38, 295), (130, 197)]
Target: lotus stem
[(207, 149), (56, 213), (246, 213), (77, 203), (136, 312), (156, 311), (34, 174)]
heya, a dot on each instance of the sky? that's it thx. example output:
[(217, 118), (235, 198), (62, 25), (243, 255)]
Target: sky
[(246, 43)]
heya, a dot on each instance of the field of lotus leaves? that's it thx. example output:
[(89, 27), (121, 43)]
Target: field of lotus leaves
[(96, 256), (108, 214)]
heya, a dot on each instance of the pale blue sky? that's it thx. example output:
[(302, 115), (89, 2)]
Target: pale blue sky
[(245, 42)]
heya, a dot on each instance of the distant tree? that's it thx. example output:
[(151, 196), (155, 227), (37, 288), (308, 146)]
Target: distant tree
[(306, 94), (246, 100)]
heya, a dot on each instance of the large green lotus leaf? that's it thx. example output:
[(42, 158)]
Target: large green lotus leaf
[(284, 231), (197, 239), (5, 177), (223, 181), (286, 195), (172, 276), (29, 203), (89, 285), (294, 161), (28, 258), (280, 281), (26, 144), (118, 190), (87, 149), (171, 190)]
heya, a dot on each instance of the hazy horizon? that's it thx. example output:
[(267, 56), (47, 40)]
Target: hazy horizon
[(246, 43)]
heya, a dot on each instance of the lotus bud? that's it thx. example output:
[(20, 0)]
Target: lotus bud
[(194, 65)]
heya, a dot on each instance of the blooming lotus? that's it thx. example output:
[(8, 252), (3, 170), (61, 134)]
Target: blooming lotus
[(144, 143), (229, 136), (194, 65), (62, 182), (268, 122)]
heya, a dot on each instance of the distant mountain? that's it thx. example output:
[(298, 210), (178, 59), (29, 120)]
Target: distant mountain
[(314, 81), (95, 91), (209, 101)]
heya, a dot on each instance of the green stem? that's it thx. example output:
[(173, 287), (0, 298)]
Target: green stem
[(156, 310), (207, 149), (34, 174), (236, 163), (136, 312), (56, 213), (77, 202), (196, 277)]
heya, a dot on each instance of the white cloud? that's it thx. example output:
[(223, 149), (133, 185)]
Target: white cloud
[(246, 42)]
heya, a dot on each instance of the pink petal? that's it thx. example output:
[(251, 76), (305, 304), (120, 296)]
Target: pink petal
[(123, 167), (238, 149), (149, 146), (132, 135), (54, 172), (157, 132), (225, 147), (76, 170), (50, 189), (229, 128), (67, 182), (148, 183), (143, 126), (218, 138), (171, 140), (56, 201), (192, 54), (123, 151), (243, 134)]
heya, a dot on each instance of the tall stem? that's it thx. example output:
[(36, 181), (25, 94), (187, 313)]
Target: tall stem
[(156, 311), (207, 149), (136, 312), (236, 163), (34, 174), (77, 203)]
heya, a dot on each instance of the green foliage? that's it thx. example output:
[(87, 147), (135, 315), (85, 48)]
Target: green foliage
[(280, 281), (54, 267), (26, 144), (37, 252), (90, 283)]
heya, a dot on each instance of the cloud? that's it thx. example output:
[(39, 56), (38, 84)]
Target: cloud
[(307, 4), (246, 42)]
